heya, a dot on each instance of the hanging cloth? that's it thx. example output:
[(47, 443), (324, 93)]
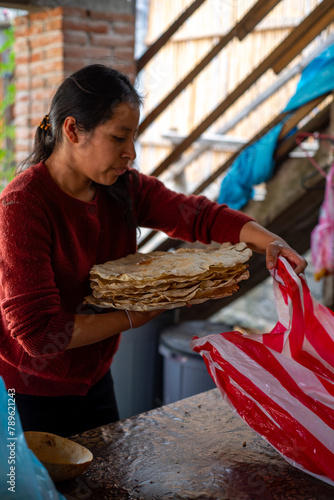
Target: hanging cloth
[(322, 236)]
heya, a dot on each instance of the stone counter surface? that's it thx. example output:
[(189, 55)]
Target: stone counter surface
[(197, 448)]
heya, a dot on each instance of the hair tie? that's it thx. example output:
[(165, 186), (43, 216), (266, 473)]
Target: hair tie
[(45, 123)]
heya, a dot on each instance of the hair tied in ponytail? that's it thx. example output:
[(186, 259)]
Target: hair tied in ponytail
[(45, 123)]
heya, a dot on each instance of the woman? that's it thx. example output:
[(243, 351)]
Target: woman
[(78, 204)]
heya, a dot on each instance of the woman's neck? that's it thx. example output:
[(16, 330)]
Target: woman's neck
[(68, 179)]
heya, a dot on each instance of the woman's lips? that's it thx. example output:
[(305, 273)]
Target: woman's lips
[(120, 171)]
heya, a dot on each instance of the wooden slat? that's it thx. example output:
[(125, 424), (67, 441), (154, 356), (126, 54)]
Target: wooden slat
[(275, 121), (258, 12), (315, 124), (241, 29), (299, 115), (160, 42), (303, 34)]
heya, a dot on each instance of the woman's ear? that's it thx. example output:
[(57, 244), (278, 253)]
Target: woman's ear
[(70, 129)]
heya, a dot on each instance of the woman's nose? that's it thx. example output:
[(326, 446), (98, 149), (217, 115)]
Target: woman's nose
[(130, 151)]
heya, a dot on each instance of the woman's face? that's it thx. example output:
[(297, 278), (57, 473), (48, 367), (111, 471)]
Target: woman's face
[(107, 153)]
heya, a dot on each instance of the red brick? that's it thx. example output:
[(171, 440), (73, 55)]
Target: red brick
[(76, 25), (21, 45), (22, 96), (20, 20), (97, 27), (124, 28), (42, 94), (112, 41), (113, 16), (20, 120), (35, 29), (53, 81), (22, 84), (75, 37), (37, 82), (23, 133), (75, 12), (22, 70), (127, 54), (72, 65), (37, 56), (22, 58), (127, 69), (53, 24), (20, 30), (22, 108), (39, 107), (54, 52), (80, 52), (46, 14), (45, 40), (29, 30), (47, 66)]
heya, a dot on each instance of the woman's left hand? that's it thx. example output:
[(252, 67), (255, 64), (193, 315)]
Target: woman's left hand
[(263, 241), (280, 247)]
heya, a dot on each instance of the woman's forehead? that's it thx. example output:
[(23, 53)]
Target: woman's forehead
[(125, 111)]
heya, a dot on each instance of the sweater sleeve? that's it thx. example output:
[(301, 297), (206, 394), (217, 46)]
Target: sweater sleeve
[(189, 218), (30, 299)]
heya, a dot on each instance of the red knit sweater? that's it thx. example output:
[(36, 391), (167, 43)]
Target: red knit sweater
[(48, 243)]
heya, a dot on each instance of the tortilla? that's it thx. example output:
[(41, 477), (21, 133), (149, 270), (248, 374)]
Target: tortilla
[(166, 280)]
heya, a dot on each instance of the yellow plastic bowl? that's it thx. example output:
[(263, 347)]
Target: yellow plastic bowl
[(64, 459)]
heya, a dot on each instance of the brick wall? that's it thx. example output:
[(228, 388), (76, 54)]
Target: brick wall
[(52, 44)]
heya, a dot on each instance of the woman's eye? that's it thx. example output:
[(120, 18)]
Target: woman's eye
[(120, 139)]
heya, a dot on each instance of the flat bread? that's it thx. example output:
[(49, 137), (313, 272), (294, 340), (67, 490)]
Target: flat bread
[(166, 280)]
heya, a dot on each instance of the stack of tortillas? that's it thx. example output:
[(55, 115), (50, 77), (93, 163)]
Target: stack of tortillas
[(166, 280)]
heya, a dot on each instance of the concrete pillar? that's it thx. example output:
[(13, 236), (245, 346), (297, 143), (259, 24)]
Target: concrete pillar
[(51, 44)]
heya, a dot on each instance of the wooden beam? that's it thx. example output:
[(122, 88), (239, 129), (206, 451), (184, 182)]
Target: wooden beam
[(299, 114), (241, 29), (234, 95), (160, 42), (315, 124), (303, 34), (275, 121), (258, 12)]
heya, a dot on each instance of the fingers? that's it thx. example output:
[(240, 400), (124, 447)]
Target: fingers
[(275, 249), (272, 253)]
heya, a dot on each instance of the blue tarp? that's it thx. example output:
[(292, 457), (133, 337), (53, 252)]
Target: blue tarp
[(316, 79), (255, 164)]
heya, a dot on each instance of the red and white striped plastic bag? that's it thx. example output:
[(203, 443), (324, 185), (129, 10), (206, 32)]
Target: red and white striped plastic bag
[(282, 383)]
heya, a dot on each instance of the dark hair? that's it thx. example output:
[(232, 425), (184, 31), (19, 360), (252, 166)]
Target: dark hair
[(90, 95)]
